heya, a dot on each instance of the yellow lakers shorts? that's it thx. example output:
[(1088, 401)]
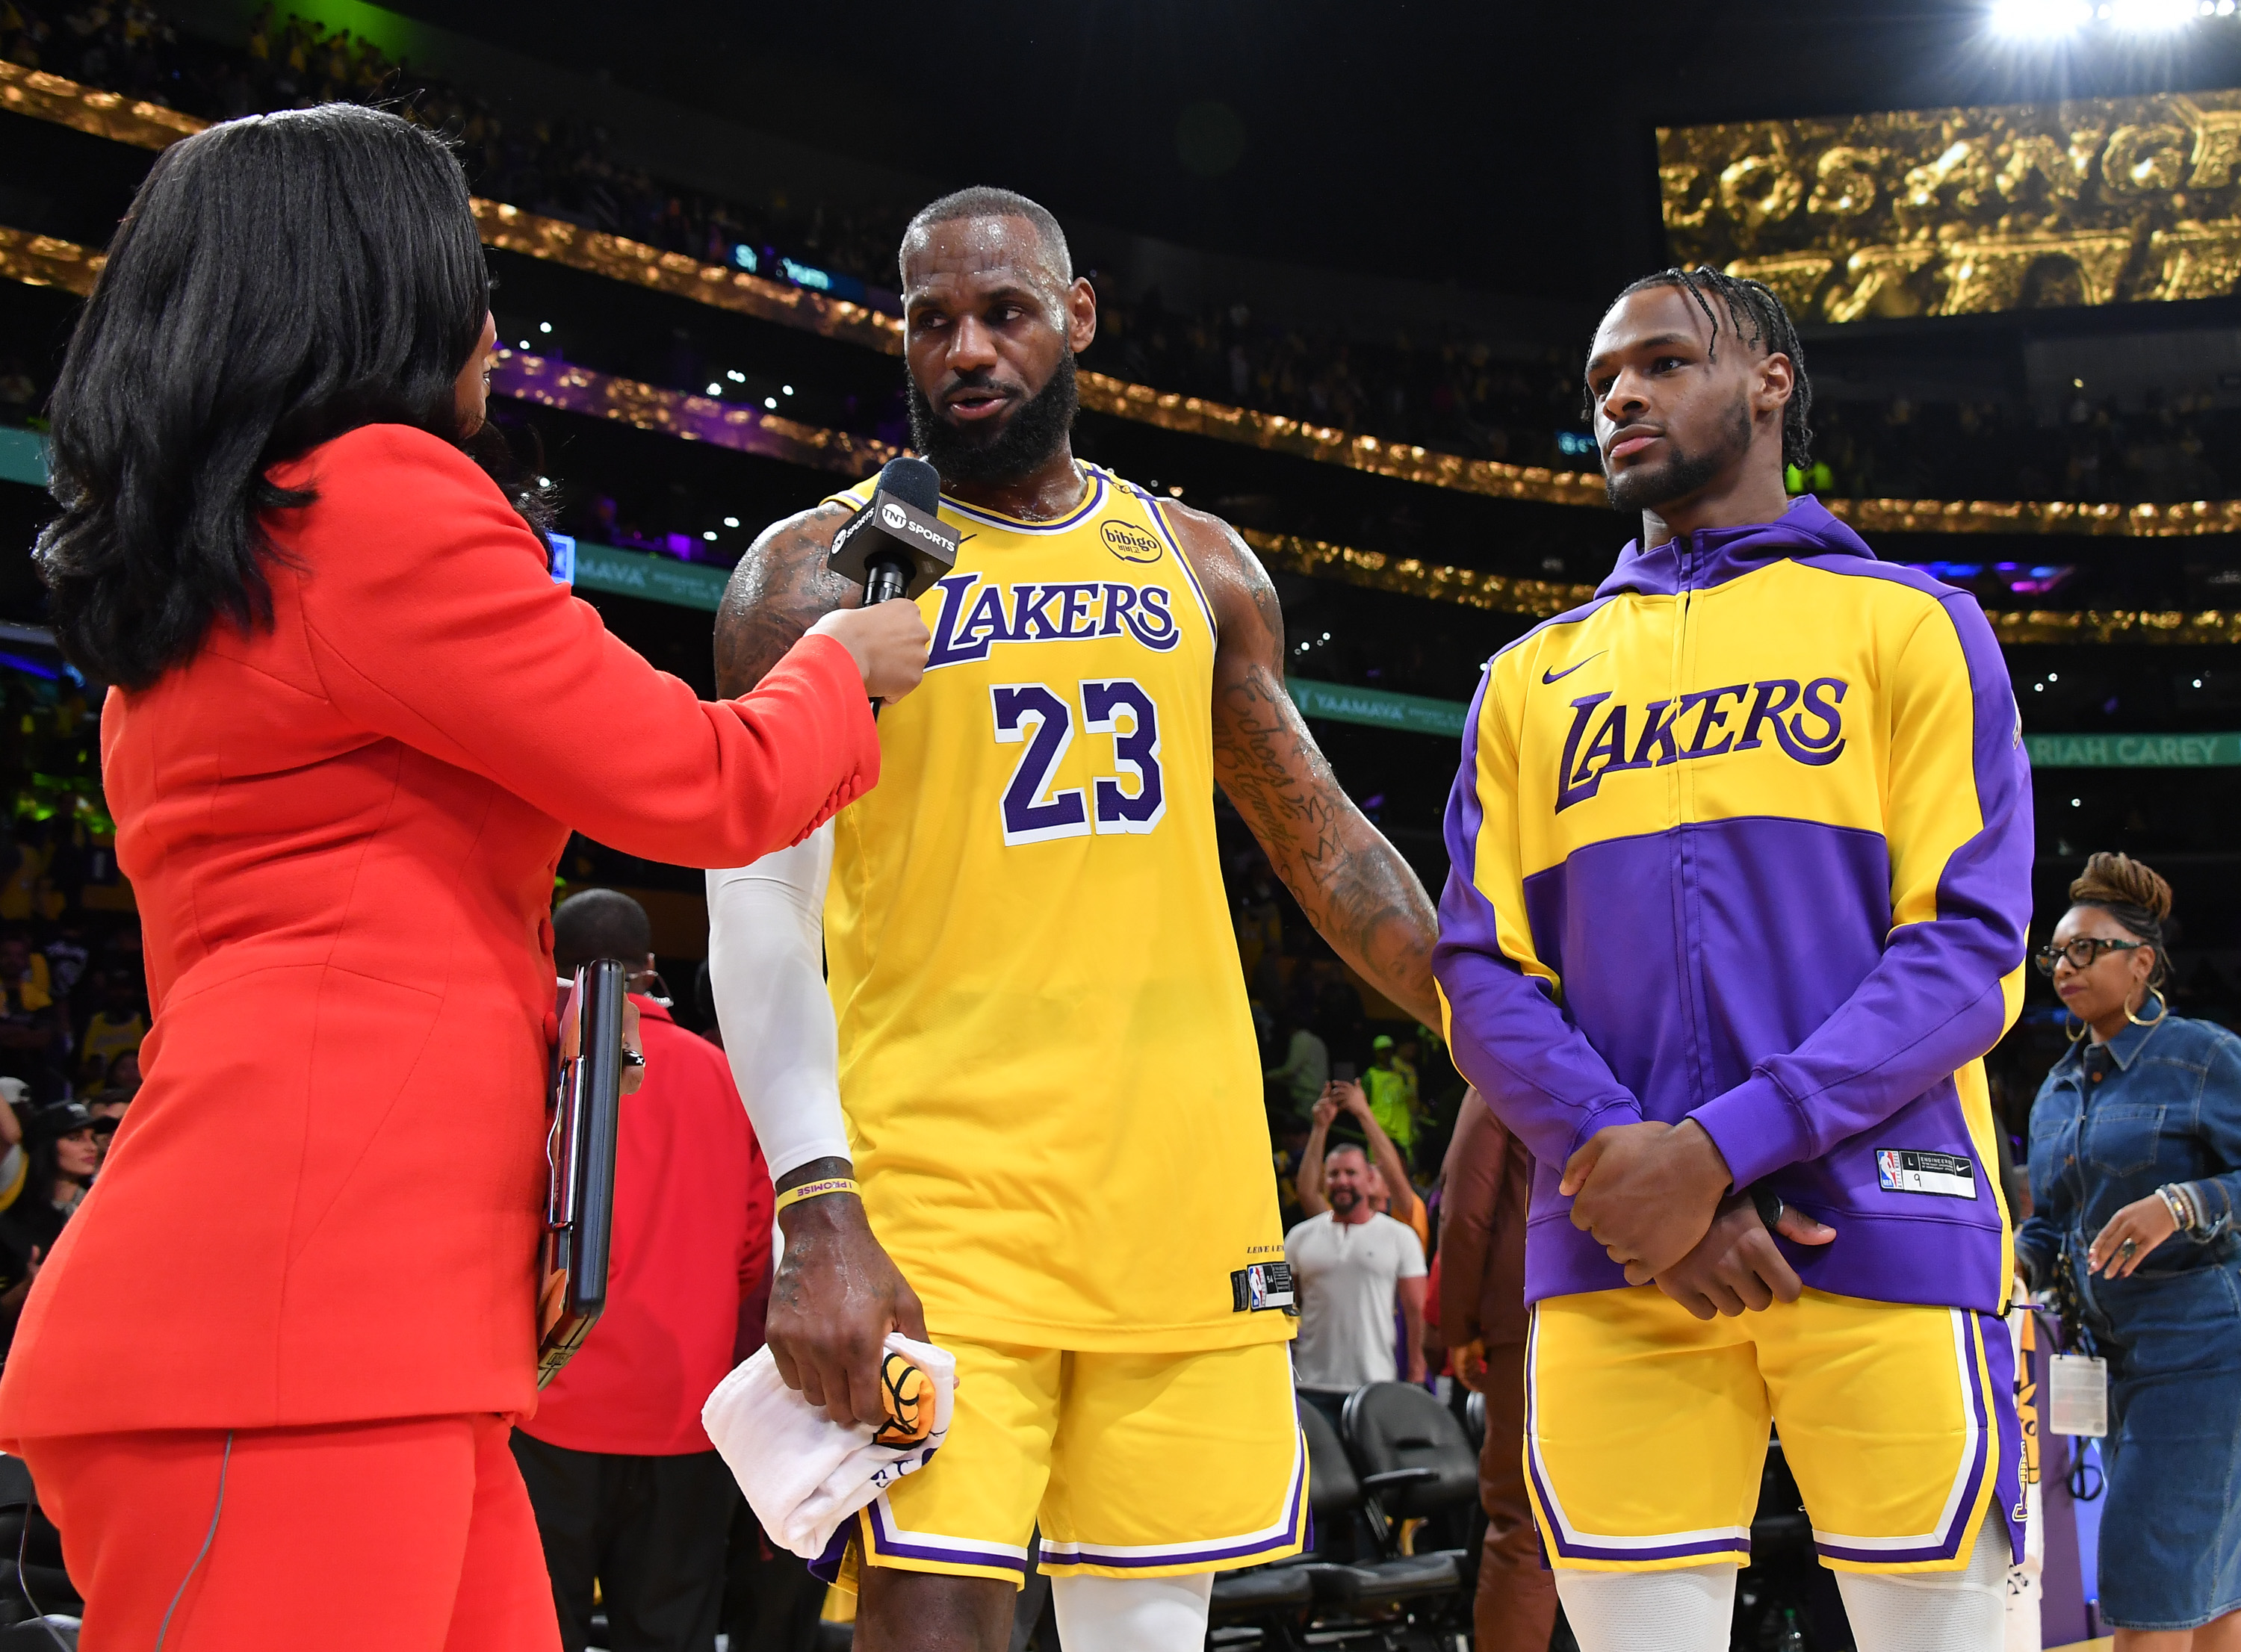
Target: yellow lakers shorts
[(1646, 1429), (1134, 1465)]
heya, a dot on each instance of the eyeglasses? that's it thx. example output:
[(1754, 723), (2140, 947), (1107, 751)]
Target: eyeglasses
[(2082, 955)]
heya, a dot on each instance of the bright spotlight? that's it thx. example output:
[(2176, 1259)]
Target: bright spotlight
[(2040, 19), (2147, 16)]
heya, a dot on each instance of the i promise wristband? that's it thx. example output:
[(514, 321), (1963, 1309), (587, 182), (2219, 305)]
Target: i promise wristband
[(813, 1190)]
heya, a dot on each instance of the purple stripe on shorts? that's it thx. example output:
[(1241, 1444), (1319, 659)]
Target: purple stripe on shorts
[(1552, 1535), (887, 1544), (1947, 1544), (1083, 1554)]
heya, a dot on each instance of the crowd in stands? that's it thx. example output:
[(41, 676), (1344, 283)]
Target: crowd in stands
[(1445, 391)]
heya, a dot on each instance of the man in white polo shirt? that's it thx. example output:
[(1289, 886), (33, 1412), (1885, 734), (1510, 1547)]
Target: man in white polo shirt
[(1350, 1266)]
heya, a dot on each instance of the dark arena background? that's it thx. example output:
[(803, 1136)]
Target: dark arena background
[(1347, 260)]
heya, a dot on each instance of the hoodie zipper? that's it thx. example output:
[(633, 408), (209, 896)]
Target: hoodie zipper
[(1684, 855)]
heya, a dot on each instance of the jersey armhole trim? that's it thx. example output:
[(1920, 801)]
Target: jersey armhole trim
[(1160, 525)]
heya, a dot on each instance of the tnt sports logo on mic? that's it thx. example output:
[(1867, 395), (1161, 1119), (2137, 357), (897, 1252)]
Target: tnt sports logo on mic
[(1130, 544), (892, 516)]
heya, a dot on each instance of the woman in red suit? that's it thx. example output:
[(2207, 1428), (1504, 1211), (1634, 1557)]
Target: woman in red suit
[(355, 722)]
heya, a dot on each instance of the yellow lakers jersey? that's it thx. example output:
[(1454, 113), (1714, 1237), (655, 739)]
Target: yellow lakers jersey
[(1047, 1058)]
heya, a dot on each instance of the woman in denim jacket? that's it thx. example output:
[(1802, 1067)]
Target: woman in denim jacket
[(2135, 1176)]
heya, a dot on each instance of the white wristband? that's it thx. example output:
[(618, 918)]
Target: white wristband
[(766, 972)]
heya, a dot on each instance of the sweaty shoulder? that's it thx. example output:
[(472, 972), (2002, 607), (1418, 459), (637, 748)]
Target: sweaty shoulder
[(1236, 586), (1203, 535), (781, 587)]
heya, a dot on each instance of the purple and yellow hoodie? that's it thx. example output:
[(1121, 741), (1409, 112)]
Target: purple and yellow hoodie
[(1748, 838)]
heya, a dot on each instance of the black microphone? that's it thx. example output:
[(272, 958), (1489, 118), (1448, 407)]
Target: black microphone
[(898, 545)]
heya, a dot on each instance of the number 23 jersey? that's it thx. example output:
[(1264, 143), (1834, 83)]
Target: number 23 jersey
[(1047, 1058)]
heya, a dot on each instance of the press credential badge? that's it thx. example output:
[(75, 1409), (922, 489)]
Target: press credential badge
[(2078, 1395)]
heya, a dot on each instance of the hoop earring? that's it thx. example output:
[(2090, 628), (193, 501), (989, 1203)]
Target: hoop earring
[(2079, 1034), (2162, 1008)]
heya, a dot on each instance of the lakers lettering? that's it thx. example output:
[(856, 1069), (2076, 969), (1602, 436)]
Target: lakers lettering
[(973, 620), (1803, 721)]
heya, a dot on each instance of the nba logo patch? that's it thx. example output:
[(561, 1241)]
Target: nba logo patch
[(1887, 1170), (1261, 1288)]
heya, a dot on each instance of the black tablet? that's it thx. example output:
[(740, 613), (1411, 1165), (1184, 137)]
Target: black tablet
[(581, 1148)]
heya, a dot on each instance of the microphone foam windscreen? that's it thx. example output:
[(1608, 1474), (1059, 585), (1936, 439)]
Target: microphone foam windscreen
[(913, 481)]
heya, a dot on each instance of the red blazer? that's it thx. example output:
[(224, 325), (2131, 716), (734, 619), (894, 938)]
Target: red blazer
[(342, 832), (692, 1245)]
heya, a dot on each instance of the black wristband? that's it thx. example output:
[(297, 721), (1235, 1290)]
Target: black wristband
[(1769, 1206)]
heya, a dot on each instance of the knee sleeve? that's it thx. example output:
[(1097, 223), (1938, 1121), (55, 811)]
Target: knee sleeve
[(1689, 1609), (1963, 1611), (1132, 1614)]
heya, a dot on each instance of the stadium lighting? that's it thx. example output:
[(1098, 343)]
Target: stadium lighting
[(715, 389), (545, 326), (2040, 19), (734, 522), (2151, 16), (771, 402)]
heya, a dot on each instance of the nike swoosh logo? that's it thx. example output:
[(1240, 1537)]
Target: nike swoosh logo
[(1551, 676)]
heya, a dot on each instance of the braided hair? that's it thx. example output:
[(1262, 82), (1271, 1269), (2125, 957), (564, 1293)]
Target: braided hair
[(2132, 893), (1757, 316)]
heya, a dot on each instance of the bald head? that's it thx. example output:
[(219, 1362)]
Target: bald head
[(599, 923), (1015, 227)]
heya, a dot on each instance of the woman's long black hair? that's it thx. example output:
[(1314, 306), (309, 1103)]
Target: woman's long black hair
[(280, 280)]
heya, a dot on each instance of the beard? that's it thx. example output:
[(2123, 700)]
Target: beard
[(1680, 473), (1341, 1199), (1037, 428)]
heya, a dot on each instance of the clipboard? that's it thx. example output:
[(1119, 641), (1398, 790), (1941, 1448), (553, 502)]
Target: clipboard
[(580, 1151)]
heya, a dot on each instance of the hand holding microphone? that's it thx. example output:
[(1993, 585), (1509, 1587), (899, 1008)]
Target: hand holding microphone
[(888, 641), (896, 546)]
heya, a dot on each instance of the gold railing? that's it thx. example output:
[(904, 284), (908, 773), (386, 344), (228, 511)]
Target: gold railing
[(50, 98)]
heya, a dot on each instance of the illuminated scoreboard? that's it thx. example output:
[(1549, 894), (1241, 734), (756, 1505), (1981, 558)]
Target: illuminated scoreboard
[(1958, 211)]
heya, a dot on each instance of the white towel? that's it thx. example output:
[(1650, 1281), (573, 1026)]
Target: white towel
[(803, 1473)]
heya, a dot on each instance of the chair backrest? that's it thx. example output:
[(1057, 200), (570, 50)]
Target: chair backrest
[(1474, 1420), (1394, 1428), (1332, 1488)]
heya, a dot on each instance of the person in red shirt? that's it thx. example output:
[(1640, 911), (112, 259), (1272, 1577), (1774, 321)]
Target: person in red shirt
[(626, 1487)]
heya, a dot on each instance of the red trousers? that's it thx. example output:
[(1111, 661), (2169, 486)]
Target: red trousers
[(409, 1537)]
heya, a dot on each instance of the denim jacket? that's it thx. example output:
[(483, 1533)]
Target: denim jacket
[(2165, 1108)]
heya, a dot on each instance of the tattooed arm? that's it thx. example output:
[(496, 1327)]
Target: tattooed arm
[(779, 590), (1352, 885)]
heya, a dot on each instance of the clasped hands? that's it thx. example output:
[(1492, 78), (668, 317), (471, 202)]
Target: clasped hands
[(1656, 1197)]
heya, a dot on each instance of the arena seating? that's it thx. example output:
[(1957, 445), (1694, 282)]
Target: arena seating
[(1403, 1458)]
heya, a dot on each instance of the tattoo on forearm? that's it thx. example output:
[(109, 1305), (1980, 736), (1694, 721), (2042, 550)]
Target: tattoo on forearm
[(779, 590), (1352, 885)]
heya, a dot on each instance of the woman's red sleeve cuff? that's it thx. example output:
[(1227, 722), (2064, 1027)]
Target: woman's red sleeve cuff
[(824, 673)]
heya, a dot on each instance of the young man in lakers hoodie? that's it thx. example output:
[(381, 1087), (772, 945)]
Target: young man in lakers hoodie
[(1741, 877)]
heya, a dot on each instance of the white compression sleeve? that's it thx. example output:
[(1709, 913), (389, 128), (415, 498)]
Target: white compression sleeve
[(1689, 1609), (1132, 1614), (766, 972), (1963, 1611)]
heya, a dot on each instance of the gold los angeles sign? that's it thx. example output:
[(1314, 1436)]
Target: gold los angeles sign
[(1956, 211)]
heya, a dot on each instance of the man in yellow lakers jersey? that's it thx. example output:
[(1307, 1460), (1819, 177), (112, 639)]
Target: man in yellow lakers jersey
[(1053, 1115), (1741, 874)]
